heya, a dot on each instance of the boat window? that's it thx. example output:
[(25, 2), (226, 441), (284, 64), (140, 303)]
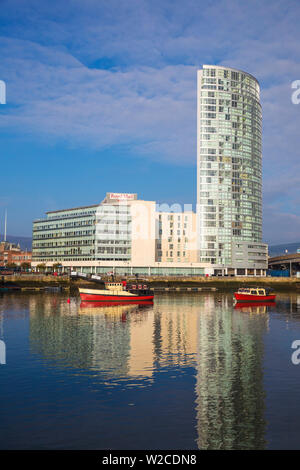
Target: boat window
[(253, 292), (261, 292)]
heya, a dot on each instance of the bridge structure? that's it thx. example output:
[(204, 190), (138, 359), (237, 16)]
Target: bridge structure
[(287, 262)]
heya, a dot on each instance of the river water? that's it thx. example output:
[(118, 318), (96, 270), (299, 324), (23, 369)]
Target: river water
[(188, 372)]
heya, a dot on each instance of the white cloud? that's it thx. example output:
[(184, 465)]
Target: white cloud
[(146, 101), (152, 109)]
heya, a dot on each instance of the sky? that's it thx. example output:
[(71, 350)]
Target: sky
[(101, 96)]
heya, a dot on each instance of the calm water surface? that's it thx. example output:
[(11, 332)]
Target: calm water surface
[(189, 372)]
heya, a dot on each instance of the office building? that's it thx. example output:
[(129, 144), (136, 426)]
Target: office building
[(122, 234)]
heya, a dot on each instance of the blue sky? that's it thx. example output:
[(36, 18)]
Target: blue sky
[(101, 96)]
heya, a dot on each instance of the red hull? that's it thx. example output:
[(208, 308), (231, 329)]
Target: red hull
[(112, 304), (115, 298), (254, 298)]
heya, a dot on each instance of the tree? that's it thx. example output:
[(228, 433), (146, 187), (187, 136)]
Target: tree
[(11, 265), (56, 266), (25, 265), (41, 267)]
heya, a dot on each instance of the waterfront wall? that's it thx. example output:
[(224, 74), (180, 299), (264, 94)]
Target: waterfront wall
[(222, 283)]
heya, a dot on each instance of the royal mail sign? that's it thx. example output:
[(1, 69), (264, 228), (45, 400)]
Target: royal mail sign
[(122, 196)]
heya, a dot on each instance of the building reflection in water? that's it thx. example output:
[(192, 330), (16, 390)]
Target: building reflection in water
[(225, 346), (95, 339), (120, 340), (230, 395), (175, 331)]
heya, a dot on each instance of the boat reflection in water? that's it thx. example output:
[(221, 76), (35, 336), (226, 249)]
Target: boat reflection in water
[(99, 306), (198, 360), (257, 307), (194, 370), (113, 309), (112, 340), (230, 396)]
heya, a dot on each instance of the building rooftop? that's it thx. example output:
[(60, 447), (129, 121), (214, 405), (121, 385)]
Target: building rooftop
[(73, 209), (206, 66)]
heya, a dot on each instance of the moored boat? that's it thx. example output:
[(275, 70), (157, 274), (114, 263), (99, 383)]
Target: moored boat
[(117, 292), (254, 294), (9, 287)]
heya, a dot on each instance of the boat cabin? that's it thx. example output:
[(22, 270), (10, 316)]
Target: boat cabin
[(254, 291), (114, 285)]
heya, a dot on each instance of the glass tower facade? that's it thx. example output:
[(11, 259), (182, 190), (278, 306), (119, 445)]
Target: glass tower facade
[(229, 159)]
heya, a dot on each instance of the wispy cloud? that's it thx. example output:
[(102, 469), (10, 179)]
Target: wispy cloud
[(104, 74), (151, 109)]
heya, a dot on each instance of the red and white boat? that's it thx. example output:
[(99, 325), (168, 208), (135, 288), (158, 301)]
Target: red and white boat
[(117, 292), (254, 294)]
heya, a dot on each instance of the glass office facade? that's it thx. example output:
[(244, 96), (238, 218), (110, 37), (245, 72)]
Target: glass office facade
[(100, 232), (113, 232), (66, 235), (229, 158), (113, 236)]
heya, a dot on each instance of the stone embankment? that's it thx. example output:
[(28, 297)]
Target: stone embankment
[(163, 284)]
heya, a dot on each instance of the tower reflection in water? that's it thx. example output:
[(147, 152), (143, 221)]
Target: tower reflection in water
[(222, 344), (230, 395)]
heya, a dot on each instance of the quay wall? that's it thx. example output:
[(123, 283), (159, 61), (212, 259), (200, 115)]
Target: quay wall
[(168, 283)]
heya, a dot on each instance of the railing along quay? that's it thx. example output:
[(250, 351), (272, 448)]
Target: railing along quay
[(184, 289)]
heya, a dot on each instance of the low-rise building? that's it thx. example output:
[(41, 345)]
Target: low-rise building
[(10, 254), (122, 234)]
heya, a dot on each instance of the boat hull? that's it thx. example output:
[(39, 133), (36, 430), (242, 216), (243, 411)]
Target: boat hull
[(254, 298), (92, 305), (94, 297), (10, 289)]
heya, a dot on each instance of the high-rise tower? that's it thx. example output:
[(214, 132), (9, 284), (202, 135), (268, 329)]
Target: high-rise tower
[(229, 173)]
